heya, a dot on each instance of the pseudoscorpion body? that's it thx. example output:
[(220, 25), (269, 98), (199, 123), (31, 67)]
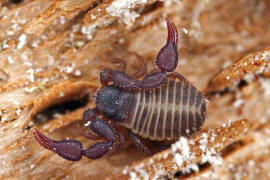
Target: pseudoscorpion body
[(158, 107)]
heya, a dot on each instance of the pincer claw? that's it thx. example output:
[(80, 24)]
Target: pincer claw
[(68, 149)]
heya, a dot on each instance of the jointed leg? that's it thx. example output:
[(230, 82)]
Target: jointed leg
[(122, 63), (88, 116), (140, 71), (91, 136), (139, 144), (161, 146), (120, 142), (178, 76)]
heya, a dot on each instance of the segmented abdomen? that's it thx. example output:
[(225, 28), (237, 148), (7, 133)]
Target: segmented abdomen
[(173, 110)]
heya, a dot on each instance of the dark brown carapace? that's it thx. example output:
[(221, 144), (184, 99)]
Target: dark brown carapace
[(160, 107)]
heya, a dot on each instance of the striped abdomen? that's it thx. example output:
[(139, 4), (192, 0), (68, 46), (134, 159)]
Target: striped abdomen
[(173, 110)]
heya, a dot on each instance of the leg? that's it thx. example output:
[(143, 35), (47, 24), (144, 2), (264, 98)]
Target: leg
[(88, 116), (161, 146), (120, 144), (122, 63), (73, 150), (90, 136), (178, 76), (139, 144), (84, 131), (142, 70), (167, 60)]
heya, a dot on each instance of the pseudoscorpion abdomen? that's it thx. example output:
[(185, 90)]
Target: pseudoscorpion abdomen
[(173, 110)]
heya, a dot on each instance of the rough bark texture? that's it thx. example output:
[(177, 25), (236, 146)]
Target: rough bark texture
[(52, 51)]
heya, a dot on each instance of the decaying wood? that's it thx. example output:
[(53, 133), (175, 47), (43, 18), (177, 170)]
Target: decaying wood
[(186, 155), (245, 69), (52, 52)]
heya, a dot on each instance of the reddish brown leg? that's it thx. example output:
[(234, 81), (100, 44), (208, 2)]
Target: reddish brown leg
[(139, 144), (85, 133), (142, 69), (88, 116), (120, 144), (122, 63), (167, 60), (154, 70), (178, 76), (122, 140), (161, 146), (73, 150)]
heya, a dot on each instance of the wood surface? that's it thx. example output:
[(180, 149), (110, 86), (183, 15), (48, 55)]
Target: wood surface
[(52, 51)]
